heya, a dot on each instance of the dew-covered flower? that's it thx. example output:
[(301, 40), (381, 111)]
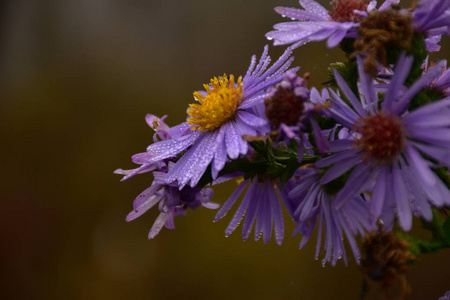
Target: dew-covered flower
[(386, 144), (315, 23), (227, 109), (311, 204), (260, 203), (172, 201)]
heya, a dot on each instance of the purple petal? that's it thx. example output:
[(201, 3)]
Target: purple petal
[(343, 155), (158, 225), (425, 79), (379, 193), (401, 72), (251, 119), (220, 156), (229, 203), (315, 8), (402, 199), (341, 145), (142, 197), (348, 93), (172, 147), (278, 217), (340, 168), (240, 211), (358, 181), (439, 153), (252, 101), (367, 92), (250, 215), (336, 38), (231, 140), (298, 14), (418, 164)]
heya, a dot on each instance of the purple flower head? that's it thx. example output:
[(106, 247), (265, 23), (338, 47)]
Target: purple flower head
[(172, 200), (289, 113), (227, 110), (432, 17), (286, 102), (383, 152), (260, 203), (315, 23), (309, 202)]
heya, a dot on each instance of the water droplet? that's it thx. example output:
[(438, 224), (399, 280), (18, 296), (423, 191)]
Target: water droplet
[(270, 38), (284, 16), (323, 263)]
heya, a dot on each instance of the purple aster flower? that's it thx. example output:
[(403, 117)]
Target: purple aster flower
[(172, 200), (446, 296), (309, 202), (315, 23), (289, 113), (386, 145), (227, 110), (432, 17), (260, 203)]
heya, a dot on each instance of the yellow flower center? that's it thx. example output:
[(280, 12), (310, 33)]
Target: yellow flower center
[(218, 106)]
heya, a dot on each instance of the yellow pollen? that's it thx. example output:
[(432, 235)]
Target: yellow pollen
[(218, 106)]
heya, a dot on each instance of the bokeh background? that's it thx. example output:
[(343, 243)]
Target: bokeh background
[(76, 80)]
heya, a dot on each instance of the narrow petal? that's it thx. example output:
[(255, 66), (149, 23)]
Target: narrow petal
[(401, 194), (277, 213), (229, 203), (158, 225), (231, 141), (250, 215), (251, 119), (240, 211), (379, 193), (349, 94)]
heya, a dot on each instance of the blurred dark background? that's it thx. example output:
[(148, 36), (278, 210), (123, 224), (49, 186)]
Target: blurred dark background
[(76, 80)]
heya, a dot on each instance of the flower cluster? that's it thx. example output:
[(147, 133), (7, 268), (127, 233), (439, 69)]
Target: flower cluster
[(369, 149)]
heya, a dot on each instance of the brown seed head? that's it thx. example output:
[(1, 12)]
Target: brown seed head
[(384, 257), (380, 29)]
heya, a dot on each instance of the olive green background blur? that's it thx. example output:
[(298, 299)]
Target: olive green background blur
[(76, 80)]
